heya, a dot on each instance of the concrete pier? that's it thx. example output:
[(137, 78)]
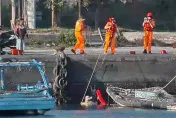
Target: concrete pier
[(124, 69)]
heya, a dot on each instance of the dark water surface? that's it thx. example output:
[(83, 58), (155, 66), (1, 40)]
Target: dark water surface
[(103, 113)]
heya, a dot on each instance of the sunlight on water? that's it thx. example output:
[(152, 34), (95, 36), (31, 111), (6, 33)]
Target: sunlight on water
[(106, 113)]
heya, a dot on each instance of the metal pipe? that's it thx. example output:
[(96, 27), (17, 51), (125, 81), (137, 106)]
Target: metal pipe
[(45, 79), (2, 78)]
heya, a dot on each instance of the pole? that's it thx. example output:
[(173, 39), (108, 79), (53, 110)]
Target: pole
[(13, 13), (31, 14), (22, 8), (2, 78), (52, 17), (19, 9), (79, 8), (0, 14), (25, 12)]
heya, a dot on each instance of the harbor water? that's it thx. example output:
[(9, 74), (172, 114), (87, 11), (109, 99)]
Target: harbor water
[(103, 113)]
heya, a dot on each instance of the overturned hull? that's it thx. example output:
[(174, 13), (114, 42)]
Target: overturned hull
[(155, 97)]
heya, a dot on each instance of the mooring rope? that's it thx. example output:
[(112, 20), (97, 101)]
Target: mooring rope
[(168, 83), (91, 77), (95, 65), (94, 69)]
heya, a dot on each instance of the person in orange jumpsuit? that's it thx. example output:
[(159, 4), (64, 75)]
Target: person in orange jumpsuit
[(79, 27), (110, 38), (148, 26)]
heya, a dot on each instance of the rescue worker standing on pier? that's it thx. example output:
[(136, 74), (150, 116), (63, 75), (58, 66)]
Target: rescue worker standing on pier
[(79, 27), (110, 37), (148, 26)]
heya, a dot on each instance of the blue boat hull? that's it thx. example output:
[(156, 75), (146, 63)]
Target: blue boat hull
[(27, 103), (26, 97)]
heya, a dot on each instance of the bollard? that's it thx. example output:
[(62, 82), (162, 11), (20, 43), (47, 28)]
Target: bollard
[(132, 52), (163, 51)]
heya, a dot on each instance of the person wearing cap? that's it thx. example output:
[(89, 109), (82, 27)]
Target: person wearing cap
[(110, 38), (21, 32), (79, 27), (148, 26)]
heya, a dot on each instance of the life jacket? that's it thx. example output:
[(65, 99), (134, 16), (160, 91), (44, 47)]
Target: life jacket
[(112, 28), (79, 26), (147, 26)]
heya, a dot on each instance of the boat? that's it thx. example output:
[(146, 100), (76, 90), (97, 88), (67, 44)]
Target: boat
[(26, 97), (7, 39), (153, 97), (171, 107)]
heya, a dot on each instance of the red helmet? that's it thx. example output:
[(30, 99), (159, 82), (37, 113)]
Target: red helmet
[(111, 19), (149, 14)]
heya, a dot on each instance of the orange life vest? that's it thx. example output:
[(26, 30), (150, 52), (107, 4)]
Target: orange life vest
[(147, 26), (112, 28), (79, 26)]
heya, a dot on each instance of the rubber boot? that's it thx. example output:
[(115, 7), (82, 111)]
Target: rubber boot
[(105, 53), (73, 51), (82, 52), (145, 51), (18, 52)]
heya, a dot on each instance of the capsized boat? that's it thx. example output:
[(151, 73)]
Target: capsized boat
[(154, 97), (26, 97)]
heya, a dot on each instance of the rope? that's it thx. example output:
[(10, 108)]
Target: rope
[(167, 83), (91, 77), (94, 66), (93, 70)]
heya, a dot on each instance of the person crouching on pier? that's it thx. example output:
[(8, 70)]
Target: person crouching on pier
[(110, 35), (21, 32), (148, 26), (79, 27)]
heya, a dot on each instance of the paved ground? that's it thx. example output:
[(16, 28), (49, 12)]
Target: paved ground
[(92, 51)]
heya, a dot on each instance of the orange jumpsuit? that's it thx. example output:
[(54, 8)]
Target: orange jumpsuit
[(148, 34), (110, 37), (79, 36)]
